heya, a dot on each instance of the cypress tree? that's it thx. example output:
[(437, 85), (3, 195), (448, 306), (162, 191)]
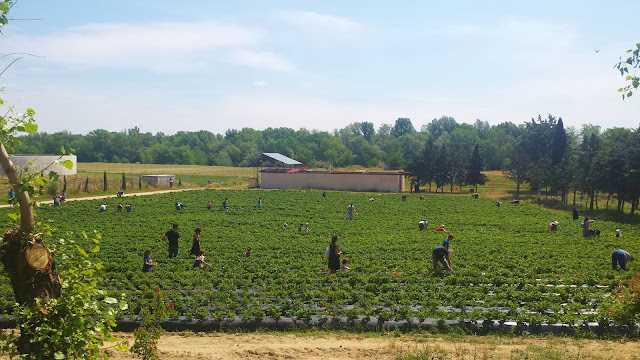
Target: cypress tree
[(474, 168), (104, 181), (64, 184), (124, 182), (86, 185), (559, 144)]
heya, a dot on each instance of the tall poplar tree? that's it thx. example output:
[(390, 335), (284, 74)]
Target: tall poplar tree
[(475, 166)]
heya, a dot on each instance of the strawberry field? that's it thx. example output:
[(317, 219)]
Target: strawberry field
[(507, 266)]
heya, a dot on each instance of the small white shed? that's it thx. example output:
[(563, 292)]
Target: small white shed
[(159, 179)]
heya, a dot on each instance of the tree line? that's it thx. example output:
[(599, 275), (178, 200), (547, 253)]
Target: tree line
[(548, 157), (359, 143), (540, 152)]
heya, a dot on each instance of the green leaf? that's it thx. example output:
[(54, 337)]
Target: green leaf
[(629, 93), (110, 300), (123, 306), (41, 181), (58, 355), (629, 77), (81, 251), (28, 189), (30, 113), (31, 128), (68, 164), (98, 266), (53, 176), (13, 216), (62, 151), (95, 249)]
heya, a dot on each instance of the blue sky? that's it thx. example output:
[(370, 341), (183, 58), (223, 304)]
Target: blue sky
[(168, 66)]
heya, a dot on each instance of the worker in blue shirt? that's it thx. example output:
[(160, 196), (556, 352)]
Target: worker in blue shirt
[(445, 242), (440, 255), (620, 257)]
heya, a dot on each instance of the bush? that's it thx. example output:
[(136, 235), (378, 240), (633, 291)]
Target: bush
[(624, 306), (75, 324), (52, 188), (150, 330)]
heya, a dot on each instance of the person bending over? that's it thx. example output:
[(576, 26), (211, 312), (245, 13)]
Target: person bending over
[(440, 256)]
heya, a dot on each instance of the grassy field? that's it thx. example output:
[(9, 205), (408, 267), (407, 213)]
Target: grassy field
[(89, 181)]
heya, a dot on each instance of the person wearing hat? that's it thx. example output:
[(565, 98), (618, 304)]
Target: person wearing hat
[(618, 233), (553, 226), (440, 228), (586, 227), (441, 255), (423, 224), (620, 257)]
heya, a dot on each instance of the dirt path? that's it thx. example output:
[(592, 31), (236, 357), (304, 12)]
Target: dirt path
[(113, 196), (315, 346)]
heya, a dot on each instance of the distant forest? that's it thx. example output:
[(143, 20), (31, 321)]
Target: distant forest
[(540, 152), (390, 146)]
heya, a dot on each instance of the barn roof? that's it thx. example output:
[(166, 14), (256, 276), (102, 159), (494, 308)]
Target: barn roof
[(283, 159)]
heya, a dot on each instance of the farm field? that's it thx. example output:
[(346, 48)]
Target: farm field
[(507, 266)]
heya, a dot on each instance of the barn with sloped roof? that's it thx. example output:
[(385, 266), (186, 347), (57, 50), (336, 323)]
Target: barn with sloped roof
[(282, 172)]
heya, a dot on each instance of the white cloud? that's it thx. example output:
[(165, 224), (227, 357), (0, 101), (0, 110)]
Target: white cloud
[(160, 46)]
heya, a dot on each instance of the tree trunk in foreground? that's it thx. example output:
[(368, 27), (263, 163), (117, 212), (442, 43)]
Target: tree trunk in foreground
[(26, 260)]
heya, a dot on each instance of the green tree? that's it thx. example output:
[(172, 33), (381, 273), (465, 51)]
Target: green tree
[(367, 130), (518, 167), (474, 175), (559, 144), (442, 168), (104, 181), (422, 166), (588, 171), (124, 182), (631, 62), (403, 126), (60, 314), (562, 169), (445, 124)]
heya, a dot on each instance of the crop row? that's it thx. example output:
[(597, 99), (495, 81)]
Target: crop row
[(507, 266)]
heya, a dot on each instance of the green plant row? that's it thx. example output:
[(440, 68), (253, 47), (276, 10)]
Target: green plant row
[(507, 266)]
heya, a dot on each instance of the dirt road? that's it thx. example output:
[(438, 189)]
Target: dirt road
[(113, 196), (319, 345)]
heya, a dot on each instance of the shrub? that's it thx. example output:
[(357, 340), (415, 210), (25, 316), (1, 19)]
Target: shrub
[(624, 306)]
